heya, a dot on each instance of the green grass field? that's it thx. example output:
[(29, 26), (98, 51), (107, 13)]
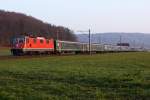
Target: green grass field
[(4, 51), (115, 76)]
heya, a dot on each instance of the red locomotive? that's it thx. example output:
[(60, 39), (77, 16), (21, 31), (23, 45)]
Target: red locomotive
[(30, 45)]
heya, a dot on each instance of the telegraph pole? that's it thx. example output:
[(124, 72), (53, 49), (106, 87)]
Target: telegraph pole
[(89, 41), (57, 34), (100, 40), (89, 32), (143, 46), (120, 42), (134, 44)]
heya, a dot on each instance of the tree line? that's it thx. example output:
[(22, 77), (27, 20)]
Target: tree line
[(14, 24)]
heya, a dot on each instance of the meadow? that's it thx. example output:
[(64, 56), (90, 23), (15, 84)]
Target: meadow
[(111, 76), (5, 51)]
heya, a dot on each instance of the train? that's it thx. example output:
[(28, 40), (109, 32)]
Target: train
[(27, 45)]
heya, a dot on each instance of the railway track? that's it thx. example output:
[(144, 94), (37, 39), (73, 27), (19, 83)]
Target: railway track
[(11, 57)]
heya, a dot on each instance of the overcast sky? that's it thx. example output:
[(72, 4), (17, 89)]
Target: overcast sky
[(99, 15)]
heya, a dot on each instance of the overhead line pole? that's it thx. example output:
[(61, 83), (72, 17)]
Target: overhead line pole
[(120, 42), (57, 34), (100, 38), (89, 32), (89, 41)]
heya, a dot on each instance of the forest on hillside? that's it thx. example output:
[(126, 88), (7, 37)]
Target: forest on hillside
[(15, 24)]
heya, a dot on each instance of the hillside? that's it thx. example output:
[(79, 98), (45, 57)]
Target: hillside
[(14, 24), (135, 39)]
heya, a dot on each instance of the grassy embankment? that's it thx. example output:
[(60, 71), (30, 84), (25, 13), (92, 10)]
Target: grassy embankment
[(122, 76)]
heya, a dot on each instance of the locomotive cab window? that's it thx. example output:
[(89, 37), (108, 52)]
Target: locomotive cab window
[(14, 41), (21, 40)]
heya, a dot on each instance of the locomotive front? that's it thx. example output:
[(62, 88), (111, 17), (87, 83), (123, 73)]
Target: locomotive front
[(18, 44)]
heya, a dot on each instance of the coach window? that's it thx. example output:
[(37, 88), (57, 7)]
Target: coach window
[(34, 40), (41, 41), (47, 41)]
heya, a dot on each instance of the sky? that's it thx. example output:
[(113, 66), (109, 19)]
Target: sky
[(98, 15)]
